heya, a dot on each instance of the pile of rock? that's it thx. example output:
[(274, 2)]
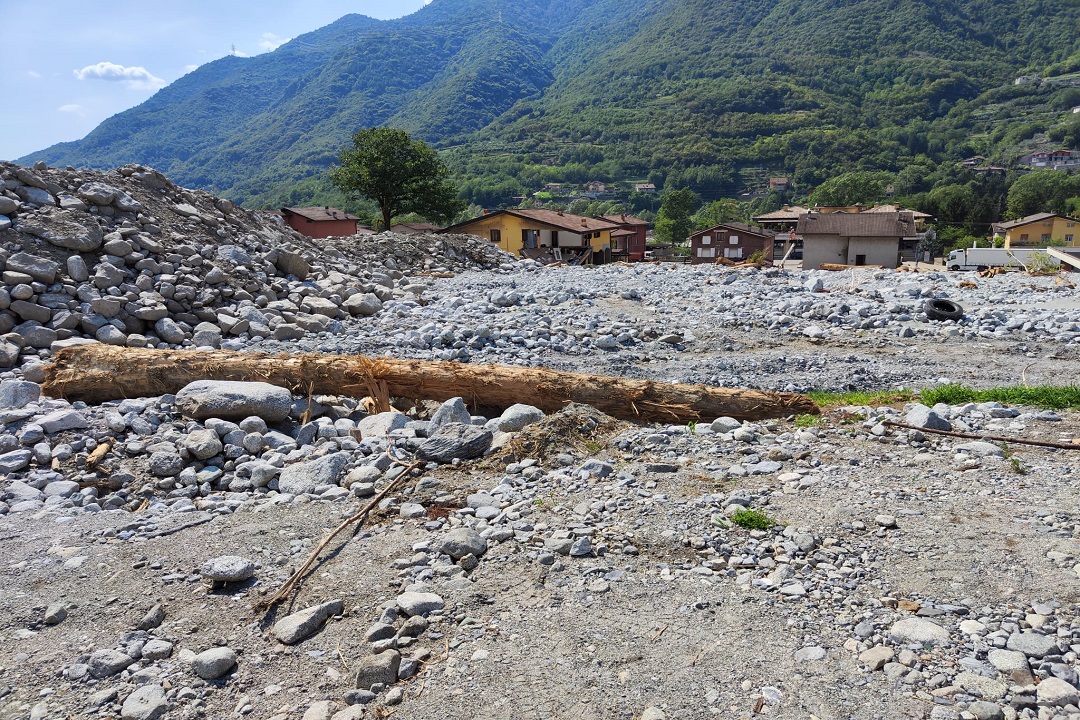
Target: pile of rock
[(128, 258)]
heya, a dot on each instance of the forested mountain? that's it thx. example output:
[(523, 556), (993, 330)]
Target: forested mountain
[(711, 94)]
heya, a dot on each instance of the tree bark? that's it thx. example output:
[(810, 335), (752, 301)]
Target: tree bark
[(97, 373)]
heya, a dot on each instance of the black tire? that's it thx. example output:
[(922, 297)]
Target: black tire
[(954, 268), (939, 309)]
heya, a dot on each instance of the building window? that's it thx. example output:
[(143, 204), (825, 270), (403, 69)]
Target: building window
[(1069, 238), (706, 240), (1046, 237), (496, 236), (733, 239), (704, 252), (529, 239), (1023, 237), (733, 253)]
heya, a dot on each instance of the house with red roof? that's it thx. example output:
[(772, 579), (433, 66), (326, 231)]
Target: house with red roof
[(539, 232), (321, 222)]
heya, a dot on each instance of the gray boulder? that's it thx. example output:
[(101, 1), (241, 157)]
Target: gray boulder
[(60, 420), (464, 541), (291, 629), (97, 193), (147, 702), (103, 663), (923, 417), (451, 411), (363, 304), (381, 669), (228, 569), (213, 663), (203, 444), (290, 263), (41, 269), (518, 416), (420, 603), (380, 424), (455, 441), (230, 400), (60, 228), (16, 394), (304, 477)]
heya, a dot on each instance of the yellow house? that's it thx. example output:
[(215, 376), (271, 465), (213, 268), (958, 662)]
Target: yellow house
[(1039, 230), (536, 232)]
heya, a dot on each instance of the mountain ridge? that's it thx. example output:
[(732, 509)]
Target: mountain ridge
[(704, 92)]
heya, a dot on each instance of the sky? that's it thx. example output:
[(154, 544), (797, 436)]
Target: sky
[(70, 65)]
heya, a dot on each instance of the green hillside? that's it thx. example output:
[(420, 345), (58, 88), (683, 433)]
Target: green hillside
[(713, 94)]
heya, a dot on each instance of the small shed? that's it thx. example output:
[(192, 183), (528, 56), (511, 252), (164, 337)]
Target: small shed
[(854, 238), (320, 222)]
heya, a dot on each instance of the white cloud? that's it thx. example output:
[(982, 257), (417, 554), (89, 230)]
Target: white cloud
[(190, 68), (72, 108), (137, 78), (270, 41), (35, 75)]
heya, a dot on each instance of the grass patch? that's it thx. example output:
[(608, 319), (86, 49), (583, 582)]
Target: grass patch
[(874, 398), (806, 421), (752, 520), (1043, 396)]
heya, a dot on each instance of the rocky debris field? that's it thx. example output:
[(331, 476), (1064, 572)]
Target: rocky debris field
[(516, 564)]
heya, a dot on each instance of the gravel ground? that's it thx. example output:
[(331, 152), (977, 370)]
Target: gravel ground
[(580, 567)]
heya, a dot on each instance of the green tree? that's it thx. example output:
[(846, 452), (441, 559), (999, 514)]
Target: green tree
[(673, 221), (852, 188), (720, 211), (1042, 191), (399, 174)]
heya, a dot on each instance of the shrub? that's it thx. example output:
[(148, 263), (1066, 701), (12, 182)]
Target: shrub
[(752, 519)]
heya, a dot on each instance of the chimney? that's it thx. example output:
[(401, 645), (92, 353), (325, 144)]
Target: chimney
[(584, 222), (560, 213)]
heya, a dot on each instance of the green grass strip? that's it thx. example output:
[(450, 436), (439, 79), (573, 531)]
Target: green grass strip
[(1041, 396)]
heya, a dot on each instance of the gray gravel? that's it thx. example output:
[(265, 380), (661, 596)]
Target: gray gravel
[(538, 566)]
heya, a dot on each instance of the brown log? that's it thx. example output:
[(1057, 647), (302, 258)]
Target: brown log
[(97, 373)]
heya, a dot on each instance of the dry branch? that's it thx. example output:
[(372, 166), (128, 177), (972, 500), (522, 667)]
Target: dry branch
[(97, 373), (287, 588), (985, 436)]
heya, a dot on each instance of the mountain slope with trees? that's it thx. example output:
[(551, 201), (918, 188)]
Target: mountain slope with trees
[(708, 94)]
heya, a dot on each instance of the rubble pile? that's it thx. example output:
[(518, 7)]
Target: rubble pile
[(127, 258)]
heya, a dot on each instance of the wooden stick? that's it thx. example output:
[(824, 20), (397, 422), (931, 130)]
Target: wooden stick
[(97, 373), (998, 438), (285, 590)]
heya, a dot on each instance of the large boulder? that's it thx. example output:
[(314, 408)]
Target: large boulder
[(455, 441), (41, 269), (60, 228), (291, 629), (304, 477), (232, 400)]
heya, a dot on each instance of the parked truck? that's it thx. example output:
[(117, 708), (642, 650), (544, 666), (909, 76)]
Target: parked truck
[(983, 258)]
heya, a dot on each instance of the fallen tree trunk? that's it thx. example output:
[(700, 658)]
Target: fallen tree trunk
[(97, 373)]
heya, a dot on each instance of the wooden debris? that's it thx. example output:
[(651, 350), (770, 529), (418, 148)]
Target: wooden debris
[(838, 267), (358, 518), (98, 373), (97, 456), (998, 438)]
